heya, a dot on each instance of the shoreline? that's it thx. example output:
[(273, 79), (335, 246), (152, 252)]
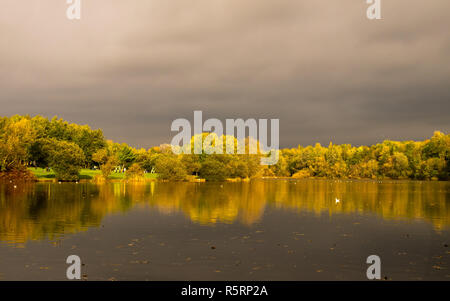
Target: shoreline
[(5, 180)]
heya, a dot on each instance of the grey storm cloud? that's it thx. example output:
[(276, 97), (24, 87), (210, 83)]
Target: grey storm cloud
[(321, 67)]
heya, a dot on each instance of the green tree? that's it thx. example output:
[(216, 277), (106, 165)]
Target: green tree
[(214, 168), (16, 137), (170, 167), (65, 158), (126, 156), (191, 163), (106, 160)]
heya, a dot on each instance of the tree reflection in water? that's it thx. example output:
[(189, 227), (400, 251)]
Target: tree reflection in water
[(46, 210)]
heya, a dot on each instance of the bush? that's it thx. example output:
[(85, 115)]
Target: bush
[(169, 167), (135, 172), (213, 169), (65, 158), (301, 174), (20, 173)]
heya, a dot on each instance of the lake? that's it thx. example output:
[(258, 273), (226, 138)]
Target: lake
[(261, 230)]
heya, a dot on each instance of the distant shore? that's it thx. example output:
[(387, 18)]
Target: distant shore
[(95, 176)]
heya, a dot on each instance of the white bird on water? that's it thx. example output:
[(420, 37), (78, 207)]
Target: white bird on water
[(337, 201)]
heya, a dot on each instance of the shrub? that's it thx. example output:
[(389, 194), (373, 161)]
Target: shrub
[(65, 158), (135, 172), (213, 169), (301, 174), (169, 167)]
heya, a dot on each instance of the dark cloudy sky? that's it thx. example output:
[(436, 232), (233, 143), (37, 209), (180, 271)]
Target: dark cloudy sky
[(320, 66)]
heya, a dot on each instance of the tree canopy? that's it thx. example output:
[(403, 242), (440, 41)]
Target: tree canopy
[(68, 147)]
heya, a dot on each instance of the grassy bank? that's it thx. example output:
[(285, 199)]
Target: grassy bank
[(85, 174)]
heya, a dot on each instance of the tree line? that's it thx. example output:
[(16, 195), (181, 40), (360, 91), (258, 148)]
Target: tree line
[(422, 160), (67, 147)]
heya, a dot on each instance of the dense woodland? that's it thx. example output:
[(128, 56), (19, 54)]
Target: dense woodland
[(66, 148)]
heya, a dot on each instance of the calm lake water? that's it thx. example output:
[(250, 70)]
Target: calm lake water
[(262, 230)]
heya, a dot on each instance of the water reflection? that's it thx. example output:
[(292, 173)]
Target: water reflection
[(47, 210)]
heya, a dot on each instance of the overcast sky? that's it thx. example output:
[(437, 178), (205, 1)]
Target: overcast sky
[(320, 66)]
